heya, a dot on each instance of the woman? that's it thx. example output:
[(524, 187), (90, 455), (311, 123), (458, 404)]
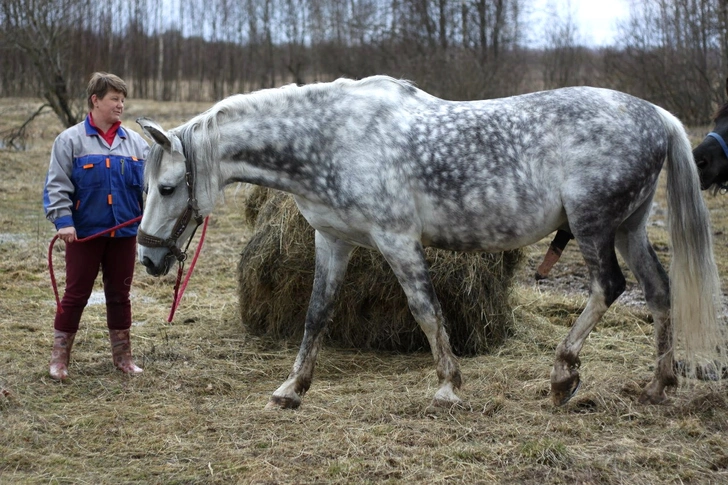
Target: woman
[(94, 183)]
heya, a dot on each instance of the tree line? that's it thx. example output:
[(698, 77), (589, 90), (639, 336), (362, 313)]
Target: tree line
[(671, 52)]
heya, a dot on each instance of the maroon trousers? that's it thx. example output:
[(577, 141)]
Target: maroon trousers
[(115, 257)]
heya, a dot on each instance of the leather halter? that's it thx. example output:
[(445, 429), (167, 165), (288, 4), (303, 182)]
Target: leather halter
[(192, 210), (721, 185), (720, 140)]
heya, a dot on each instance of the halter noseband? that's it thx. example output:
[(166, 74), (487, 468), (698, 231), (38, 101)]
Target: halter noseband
[(192, 210), (723, 186)]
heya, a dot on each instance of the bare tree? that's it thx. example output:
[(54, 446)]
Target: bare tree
[(564, 52), (42, 32), (674, 54)]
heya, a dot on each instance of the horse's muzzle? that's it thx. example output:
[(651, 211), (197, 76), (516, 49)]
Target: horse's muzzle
[(158, 269)]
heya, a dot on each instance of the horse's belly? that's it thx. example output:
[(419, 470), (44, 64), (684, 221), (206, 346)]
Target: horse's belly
[(442, 227), (491, 232), (491, 239)]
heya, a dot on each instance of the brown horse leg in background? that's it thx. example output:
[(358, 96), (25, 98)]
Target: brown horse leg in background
[(553, 253)]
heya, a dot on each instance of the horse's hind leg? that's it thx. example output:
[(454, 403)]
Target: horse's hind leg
[(553, 253), (607, 283), (332, 258), (407, 259), (635, 248)]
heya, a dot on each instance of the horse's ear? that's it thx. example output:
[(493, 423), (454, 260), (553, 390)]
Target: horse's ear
[(156, 133)]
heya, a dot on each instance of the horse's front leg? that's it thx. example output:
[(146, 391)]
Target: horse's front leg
[(332, 258), (407, 259)]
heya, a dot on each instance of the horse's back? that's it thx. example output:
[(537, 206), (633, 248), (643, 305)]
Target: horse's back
[(498, 174)]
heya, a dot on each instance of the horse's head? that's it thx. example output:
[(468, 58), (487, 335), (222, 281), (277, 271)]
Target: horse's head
[(711, 156), (172, 212)]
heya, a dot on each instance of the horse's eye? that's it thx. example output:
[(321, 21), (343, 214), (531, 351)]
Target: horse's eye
[(166, 190)]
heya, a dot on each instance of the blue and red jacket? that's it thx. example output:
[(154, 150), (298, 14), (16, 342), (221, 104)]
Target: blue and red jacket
[(93, 185)]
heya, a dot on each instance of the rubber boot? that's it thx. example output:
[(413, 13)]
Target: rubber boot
[(61, 354), (121, 352)]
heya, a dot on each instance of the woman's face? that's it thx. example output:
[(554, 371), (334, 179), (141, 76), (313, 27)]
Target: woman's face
[(108, 110)]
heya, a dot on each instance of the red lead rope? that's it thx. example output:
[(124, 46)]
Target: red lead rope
[(178, 291), (53, 242)]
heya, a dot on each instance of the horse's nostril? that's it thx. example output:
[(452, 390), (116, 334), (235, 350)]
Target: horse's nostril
[(147, 262)]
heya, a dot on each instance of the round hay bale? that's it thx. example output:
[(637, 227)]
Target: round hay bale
[(275, 276)]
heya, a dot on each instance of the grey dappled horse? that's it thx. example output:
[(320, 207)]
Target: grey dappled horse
[(381, 164)]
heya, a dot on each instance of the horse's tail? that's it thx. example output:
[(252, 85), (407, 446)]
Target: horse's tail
[(695, 292)]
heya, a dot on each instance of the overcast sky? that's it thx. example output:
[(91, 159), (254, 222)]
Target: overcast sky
[(596, 19)]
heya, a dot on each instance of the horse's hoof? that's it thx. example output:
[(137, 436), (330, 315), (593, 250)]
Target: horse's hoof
[(279, 402), (448, 403), (438, 406), (648, 398), (562, 392), (445, 397), (654, 393), (651, 395)]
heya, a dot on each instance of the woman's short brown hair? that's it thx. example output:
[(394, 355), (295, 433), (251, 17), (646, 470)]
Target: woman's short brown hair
[(101, 83)]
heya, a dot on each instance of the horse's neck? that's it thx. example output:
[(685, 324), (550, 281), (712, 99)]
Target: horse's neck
[(275, 151), (291, 142)]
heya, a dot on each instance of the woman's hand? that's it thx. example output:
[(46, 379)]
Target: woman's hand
[(67, 234)]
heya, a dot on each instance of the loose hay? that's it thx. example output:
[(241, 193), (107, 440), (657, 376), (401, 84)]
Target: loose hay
[(275, 276), (196, 414)]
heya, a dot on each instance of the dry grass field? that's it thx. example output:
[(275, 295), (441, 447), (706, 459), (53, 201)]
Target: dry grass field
[(197, 414)]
